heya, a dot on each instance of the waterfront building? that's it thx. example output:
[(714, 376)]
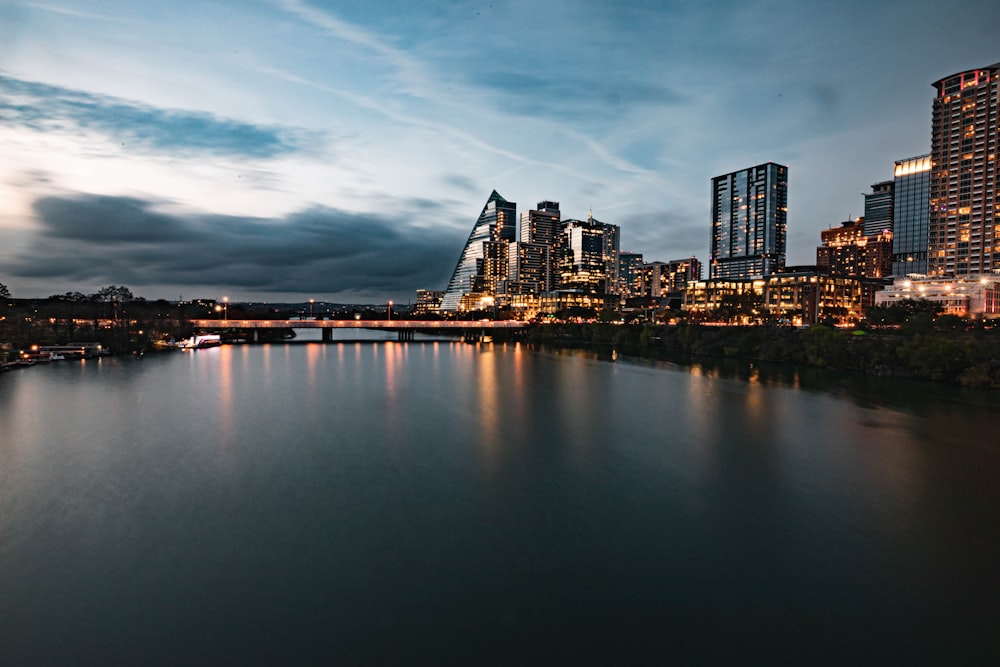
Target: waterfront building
[(428, 301), (590, 259), (879, 209), (964, 224), (654, 279), (583, 262), (481, 264), (911, 210), (630, 267), (848, 250), (661, 279), (529, 266), (611, 251), (966, 296), (800, 295), (749, 221), (553, 302), (680, 272), (543, 227)]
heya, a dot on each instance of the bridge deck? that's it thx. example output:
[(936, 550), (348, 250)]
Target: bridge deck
[(394, 325)]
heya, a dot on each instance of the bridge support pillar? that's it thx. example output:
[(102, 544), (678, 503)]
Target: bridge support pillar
[(404, 335), (327, 335), (473, 335)]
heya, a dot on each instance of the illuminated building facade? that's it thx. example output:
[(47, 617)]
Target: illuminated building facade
[(879, 209), (749, 221), (630, 273), (543, 227), (911, 211), (662, 278), (970, 295), (529, 267), (964, 206), (802, 297), (428, 301), (590, 258), (482, 263), (848, 250)]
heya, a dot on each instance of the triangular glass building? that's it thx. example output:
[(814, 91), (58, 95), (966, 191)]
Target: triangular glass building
[(497, 224)]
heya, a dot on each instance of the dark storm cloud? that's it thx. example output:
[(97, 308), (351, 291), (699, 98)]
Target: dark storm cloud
[(46, 108), (87, 239)]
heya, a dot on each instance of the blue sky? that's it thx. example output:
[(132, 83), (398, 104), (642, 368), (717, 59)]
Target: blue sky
[(285, 149)]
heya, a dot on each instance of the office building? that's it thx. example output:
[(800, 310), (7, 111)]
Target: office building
[(590, 259), (964, 205), (482, 263), (848, 250), (749, 219), (630, 274), (582, 266), (529, 267), (543, 227), (879, 209), (972, 295), (911, 210)]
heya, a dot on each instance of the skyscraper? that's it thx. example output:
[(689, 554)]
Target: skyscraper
[(630, 273), (749, 219), (879, 209), (590, 260), (542, 228), (483, 261), (911, 207), (964, 224)]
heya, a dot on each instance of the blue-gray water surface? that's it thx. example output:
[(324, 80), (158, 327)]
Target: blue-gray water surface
[(437, 502)]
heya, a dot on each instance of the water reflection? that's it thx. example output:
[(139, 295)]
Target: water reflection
[(497, 495)]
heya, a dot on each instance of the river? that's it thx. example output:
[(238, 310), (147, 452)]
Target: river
[(435, 502)]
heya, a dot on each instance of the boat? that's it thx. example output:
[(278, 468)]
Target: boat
[(200, 342)]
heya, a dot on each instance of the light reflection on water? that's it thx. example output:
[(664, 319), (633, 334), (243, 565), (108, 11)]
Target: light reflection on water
[(488, 504)]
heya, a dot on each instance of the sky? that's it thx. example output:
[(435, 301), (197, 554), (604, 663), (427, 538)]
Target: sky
[(285, 150)]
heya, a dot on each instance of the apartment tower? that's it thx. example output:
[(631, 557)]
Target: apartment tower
[(964, 223), (749, 219)]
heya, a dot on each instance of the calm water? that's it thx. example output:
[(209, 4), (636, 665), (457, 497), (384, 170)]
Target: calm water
[(437, 502)]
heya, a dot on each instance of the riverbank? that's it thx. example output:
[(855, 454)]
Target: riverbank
[(967, 356)]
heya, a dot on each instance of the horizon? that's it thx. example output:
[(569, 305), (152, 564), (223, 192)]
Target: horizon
[(288, 150)]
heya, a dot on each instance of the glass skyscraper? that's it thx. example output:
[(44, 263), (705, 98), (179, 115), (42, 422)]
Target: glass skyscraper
[(911, 209), (964, 224), (749, 220), (483, 261), (879, 209)]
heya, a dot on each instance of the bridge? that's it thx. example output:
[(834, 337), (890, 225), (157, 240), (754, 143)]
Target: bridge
[(472, 331)]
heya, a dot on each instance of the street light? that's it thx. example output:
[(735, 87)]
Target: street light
[(389, 310), (225, 308), (310, 309)]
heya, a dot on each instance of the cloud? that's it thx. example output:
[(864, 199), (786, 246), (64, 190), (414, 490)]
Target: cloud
[(49, 109), (90, 240), (531, 93)]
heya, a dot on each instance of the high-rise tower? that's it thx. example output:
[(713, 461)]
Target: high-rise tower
[(483, 262), (964, 223), (878, 209), (749, 219), (911, 205)]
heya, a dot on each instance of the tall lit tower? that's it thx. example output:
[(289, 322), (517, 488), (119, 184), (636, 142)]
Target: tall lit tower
[(542, 243), (749, 219), (911, 207), (483, 262), (964, 224)]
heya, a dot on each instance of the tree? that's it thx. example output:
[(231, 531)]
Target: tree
[(114, 293), (4, 292)]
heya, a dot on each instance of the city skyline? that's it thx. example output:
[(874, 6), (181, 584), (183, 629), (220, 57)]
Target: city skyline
[(297, 150)]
